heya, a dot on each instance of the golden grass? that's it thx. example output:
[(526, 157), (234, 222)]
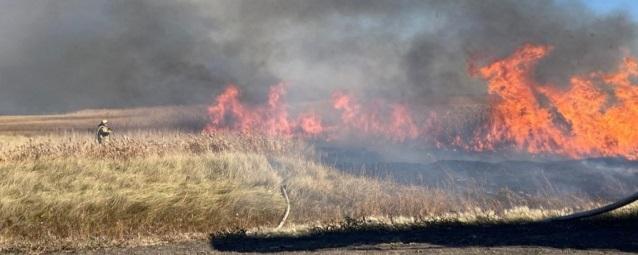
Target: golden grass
[(61, 191), (141, 144), (47, 200)]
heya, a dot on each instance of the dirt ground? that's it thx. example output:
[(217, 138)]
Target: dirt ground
[(608, 235), (202, 247)]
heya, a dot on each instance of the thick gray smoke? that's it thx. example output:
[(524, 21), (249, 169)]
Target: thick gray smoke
[(71, 54)]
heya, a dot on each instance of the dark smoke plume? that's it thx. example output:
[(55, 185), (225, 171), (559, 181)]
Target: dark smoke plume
[(72, 54)]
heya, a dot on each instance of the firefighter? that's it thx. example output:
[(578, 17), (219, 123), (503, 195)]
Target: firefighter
[(103, 132)]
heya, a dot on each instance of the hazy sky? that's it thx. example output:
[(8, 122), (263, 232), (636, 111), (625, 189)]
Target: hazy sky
[(605, 6)]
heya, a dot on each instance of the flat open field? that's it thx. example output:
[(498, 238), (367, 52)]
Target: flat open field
[(184, 118), (162, 184)]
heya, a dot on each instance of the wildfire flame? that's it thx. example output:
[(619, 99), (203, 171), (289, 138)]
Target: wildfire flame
[(593, 116), (273, 119)]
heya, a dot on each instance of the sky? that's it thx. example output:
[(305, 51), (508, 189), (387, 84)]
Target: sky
[(606, 6)]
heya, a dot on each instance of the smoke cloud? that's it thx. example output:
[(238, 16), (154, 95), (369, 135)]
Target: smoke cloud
[(72, 54)]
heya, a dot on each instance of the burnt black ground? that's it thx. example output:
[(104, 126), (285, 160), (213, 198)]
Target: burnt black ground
[(600, 179), (612, 234)]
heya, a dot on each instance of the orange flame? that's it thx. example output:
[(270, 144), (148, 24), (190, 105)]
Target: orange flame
[(371, 120), (594, 116), (310, 123), (229, 113), (273, 118), (583, 120)]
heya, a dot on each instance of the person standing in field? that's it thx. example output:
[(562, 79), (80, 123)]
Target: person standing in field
[(103, 132)]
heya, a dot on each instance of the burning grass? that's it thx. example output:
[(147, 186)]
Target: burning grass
[(591, 116)]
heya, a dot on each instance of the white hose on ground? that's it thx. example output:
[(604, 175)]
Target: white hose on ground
[(283, 220)]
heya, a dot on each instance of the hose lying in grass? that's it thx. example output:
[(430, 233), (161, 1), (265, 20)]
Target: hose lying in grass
[(283, 220), (597, 211)]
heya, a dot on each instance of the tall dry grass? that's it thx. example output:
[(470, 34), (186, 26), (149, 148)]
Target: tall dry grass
[(61, 191), (143, 144), (65, 191)]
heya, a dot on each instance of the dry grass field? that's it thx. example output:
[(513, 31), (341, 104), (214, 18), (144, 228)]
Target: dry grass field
[(156, 182), (61, 191), (184, 118)]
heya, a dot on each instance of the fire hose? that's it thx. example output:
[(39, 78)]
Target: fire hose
[(597, 211), (285, 195), (574, 216)]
